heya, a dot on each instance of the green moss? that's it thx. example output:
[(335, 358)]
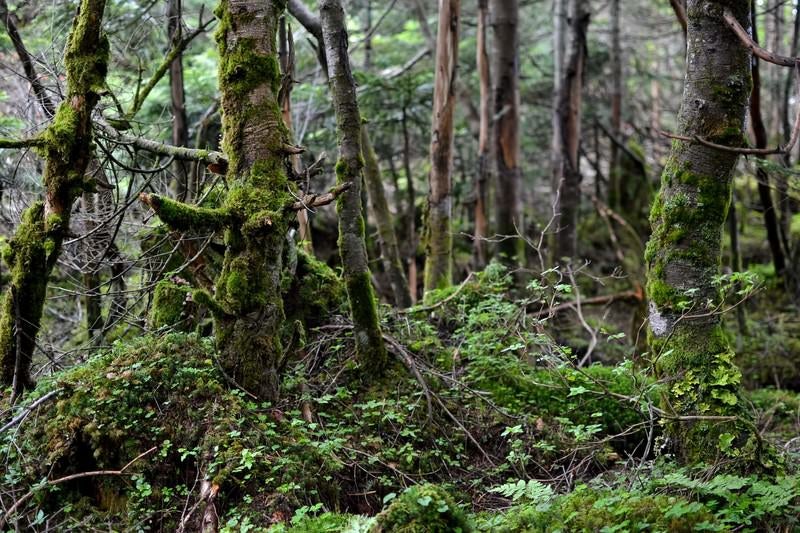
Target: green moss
[(423, 509), (61, 135), (363, 308), (185, 217), (587, 509), (172, 306), (315, 291)]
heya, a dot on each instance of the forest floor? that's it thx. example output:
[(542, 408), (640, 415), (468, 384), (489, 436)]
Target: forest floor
[(483, 422)]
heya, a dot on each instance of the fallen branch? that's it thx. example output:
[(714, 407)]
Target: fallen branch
[(28, 495), (426, 308)]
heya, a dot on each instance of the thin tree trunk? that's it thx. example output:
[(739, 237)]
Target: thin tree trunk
[(559, 50), (369, 339), (438, 237), (180, 126), (569, 116), (484, 148), (508, 211), (411, 213), (683, 255), (286, 58), (736, 265), (762, 177), (33, 251), (614, 185), (390, 252)]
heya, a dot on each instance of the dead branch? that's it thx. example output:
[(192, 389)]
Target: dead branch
[(310, 201), (748, 41), (28, 495), (28, 410)]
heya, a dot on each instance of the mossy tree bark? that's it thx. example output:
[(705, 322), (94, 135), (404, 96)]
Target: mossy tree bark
[(683, 255), (567, 176), (33, 251), (247, 305), (505, 22), (369, 339), (438, 237), (390, 251)]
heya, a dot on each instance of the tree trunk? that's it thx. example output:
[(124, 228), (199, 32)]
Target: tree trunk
[(390, 252), (614, 185), (369, 339), (683, 255), (247, 307), (762, 177), (438, 236), (481, 230), (33, 251), (286, 58), (508, 213), (411, 213), (568, 176), (180, 126)]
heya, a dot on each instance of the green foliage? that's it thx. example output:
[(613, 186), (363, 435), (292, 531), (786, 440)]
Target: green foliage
[(423, 509)]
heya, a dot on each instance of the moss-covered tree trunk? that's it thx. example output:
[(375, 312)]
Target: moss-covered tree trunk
[(683, 255), (390, 251), (368, 336), (247, 305), (438, 236), (505, 22), (33, 251)]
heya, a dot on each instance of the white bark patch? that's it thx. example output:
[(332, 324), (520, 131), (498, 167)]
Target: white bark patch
[(658, 323)]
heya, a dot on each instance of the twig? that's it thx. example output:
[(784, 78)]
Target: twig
[(71, 477), (310, 201), (440, 303), (595, 300), (25, 412), (748, 41)]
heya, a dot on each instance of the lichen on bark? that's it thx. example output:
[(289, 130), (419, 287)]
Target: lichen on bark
[(707, 419)]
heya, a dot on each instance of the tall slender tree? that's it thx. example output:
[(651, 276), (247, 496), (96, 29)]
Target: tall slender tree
[(483, 170), (567, 175), (368, 336), (707, 418), (505, 24), (180, 125), (438, 236)]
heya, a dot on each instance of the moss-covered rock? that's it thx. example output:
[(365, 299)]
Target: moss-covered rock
[(173, 306), (423, 509)]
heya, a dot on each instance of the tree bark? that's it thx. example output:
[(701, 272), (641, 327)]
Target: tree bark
[(390, 251), (180, 126), (508, 211), (33, 251), (369, 339), (482, 172), (568, 176), (438, 237), (686, 338), (762, 177), (614, 184), (255, 214)]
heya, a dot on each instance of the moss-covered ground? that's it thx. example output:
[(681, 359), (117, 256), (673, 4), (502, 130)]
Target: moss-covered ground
[(495, 429)]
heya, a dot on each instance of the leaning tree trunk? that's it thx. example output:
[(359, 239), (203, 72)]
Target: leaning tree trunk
[(438, 236), (255, 214), (706, 417), (568, 110), (390, 251), (505, 22), (33, 251), (369, 339)]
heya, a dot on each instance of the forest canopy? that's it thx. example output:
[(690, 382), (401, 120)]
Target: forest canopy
[(400, 265)]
